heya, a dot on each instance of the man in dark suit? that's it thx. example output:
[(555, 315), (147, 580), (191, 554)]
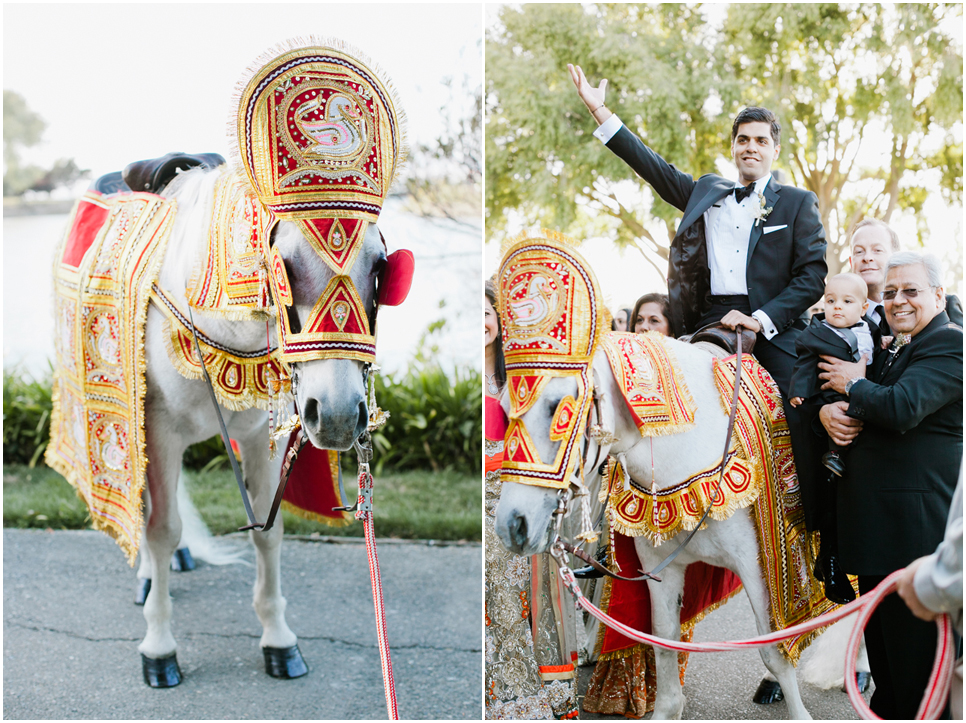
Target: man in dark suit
[(757, 261), (903, 468)]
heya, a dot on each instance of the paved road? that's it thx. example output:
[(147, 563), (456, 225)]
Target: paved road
[(720, 686), (70, 633)]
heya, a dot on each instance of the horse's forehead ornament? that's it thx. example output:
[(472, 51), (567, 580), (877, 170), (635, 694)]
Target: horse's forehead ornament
[(319, 136), (551, 320)]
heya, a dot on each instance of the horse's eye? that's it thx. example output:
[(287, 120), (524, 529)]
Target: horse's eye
[(379, 266)]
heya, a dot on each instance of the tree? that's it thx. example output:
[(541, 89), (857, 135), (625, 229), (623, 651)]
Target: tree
[(22, 128), (841, 78)]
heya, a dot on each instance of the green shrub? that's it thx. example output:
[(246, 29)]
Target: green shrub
[(26, 418)]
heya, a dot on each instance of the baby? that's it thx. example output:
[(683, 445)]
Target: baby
[(843, 332)]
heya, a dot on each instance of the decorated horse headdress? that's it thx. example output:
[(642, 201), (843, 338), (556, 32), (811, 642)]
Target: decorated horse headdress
[(319, 135), (552, 315)]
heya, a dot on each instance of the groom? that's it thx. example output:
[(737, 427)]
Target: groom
[(750, 253)]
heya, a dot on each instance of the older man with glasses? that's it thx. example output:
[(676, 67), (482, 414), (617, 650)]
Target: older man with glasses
[(903, 467)]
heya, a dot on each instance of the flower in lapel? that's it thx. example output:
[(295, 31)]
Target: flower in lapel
[(761, 211), (901, 340)]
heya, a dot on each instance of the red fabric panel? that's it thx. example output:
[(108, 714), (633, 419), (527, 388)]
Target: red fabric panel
[(494, 419), (397, 278), (630, 602), (87, 222), (310, 485)]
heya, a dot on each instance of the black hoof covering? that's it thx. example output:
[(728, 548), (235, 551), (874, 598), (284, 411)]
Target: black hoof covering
[(284, 662), (161, 672), (141, 593), (769, 691), (182, 561), (862, 680)]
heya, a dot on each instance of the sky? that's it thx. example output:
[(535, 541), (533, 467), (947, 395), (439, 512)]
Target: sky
[(123, 82)]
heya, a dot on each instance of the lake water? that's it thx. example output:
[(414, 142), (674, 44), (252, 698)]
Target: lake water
[(447, 285)]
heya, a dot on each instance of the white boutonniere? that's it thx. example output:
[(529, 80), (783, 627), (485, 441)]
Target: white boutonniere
[(761, 211), (901, 340)]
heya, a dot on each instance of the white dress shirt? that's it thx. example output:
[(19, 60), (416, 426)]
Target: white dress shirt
[(728, 228), (863, 336)]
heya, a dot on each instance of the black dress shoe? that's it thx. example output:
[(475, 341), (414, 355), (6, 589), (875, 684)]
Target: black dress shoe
[(838, 589), (833, 461), (587, 573)]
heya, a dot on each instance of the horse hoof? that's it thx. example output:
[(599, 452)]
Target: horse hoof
[(161, 672), (144, 587), (769, 691), (862, 680), (182, 561), (284, 662)]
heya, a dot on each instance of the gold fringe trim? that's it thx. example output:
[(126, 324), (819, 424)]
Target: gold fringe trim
[(687, 625), (315, 517), (217, 362)]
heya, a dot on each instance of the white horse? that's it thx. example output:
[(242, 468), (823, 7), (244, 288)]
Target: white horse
[(330, 396), (524, 515)]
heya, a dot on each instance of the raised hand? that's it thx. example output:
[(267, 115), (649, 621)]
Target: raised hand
[(592, 97)]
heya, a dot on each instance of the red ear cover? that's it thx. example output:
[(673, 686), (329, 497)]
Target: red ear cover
[(396, 278)]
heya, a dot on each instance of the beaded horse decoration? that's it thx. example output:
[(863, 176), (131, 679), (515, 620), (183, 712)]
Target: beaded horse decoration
[(551, 316)]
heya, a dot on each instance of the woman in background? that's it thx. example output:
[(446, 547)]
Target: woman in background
[(651, 314), (620, 320)]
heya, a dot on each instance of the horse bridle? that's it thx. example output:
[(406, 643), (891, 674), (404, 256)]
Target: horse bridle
[(559, 546)]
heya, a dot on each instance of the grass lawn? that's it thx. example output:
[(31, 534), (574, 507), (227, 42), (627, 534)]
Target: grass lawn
[(410, 505)]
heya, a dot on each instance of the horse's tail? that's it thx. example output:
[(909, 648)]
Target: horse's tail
[(197, 538), (824, 662)]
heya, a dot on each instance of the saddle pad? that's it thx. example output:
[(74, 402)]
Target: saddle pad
[(654, 390), (786, 550), (230, 280), (103, 273)]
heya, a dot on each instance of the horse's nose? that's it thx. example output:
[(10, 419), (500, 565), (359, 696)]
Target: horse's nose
[(363, 420), (310, 414), (517, 527)]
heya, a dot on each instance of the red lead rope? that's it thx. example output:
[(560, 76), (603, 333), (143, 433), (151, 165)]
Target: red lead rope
[(937, 691), (364, 513)]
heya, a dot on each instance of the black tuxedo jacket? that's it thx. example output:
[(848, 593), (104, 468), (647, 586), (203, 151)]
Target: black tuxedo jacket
[(903, 466), (786, 252), (812, 343)]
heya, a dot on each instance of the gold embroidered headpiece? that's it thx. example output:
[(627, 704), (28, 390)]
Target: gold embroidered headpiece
[(551, 311), (319, 136)]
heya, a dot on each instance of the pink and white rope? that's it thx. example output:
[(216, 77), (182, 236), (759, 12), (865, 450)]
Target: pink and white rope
[(937, 691), (365, 493)]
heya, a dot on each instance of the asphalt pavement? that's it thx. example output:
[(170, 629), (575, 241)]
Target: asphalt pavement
[(71, 630)]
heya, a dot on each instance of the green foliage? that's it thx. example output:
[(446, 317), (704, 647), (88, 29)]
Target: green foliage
[(837, 75), (26, 418), (409, 505), (22, 128)]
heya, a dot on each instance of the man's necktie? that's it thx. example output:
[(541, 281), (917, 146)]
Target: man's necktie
[(741, 193), (883, 324)]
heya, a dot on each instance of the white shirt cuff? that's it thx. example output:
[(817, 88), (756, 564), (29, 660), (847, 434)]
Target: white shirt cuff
[(767, 328), (606, 130)]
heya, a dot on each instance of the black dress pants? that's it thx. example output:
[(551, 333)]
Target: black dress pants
[(807, 447), (901, 651)]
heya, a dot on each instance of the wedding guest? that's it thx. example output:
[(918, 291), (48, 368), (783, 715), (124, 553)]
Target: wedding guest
[(651, 314), (895, 496), (620, 320)]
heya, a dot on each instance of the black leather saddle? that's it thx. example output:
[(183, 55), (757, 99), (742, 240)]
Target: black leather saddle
[(724, 337), (153, 174)]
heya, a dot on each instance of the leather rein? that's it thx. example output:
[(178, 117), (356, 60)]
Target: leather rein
[(559, 545)]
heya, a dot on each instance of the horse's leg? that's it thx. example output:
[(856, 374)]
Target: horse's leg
[(279, 644), (666, 599), (771, 656), (162, 533), (144, 565)]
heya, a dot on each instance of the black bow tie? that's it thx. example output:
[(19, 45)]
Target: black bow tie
[(742, 193)]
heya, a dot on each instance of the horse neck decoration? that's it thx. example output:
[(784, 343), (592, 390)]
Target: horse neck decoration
[(282, 245), (664, 438)]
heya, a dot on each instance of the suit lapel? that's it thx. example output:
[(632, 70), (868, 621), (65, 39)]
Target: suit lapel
[(771, 200), (719, 190)]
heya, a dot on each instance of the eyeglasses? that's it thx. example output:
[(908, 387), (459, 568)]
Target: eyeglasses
[(891, 294)]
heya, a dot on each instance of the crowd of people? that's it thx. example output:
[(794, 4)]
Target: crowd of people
[(872, 385)]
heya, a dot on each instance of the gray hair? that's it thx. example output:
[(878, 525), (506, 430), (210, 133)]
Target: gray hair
[(893, 236), (910, 258)]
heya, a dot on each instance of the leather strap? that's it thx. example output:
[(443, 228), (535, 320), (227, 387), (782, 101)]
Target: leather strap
[(286, 465)]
